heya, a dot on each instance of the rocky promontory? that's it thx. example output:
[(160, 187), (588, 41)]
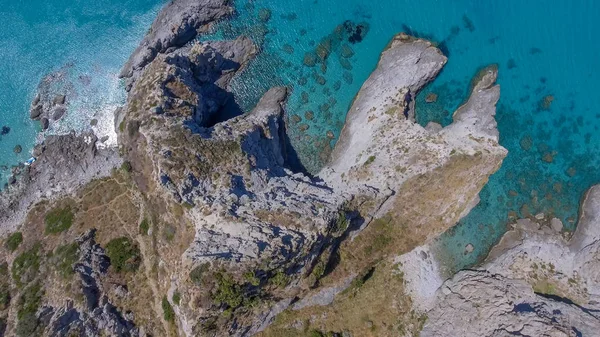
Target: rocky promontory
[(199, 226), (176, 24)]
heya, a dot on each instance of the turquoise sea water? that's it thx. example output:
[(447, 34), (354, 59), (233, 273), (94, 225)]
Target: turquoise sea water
[(87, 41), (544, 49), (547, 51)]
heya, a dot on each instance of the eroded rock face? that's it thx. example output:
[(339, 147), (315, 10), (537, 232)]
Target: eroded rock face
[(479, 303), (552, 261), (248, 210), (177, 23), (536, 282), (261, 235), (99, 315), (429, 174), (64, 164)]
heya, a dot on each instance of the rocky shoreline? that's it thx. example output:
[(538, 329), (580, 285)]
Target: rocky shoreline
[(199, 219), (536, 281), (64, 164)]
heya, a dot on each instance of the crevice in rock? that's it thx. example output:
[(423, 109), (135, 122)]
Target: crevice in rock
[(593, 312)]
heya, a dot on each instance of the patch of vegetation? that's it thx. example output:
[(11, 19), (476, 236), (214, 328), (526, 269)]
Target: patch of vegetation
[(28, 304), (168, 313), (126, 166), (197, 274), (228, 291), (124, 255), (383, 237), (545, 287), (132, 128), (176, 297), (319, 333), (342, 222), (4, 287), (280, 279), (369, 160), (122, 126), (169, 232), (25, 267), (251, 278), (318, 271), (64, 258), (59, 220), (316, 333), (13, 241), (144, 227)]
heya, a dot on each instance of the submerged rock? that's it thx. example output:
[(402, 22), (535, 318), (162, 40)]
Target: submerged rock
[(264, 14), (347, 51), (310, 59), (546, 103), (288, 48), (431, 97), (303, 127)]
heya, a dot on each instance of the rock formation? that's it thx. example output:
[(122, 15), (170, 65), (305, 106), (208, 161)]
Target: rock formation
[(478, 303), (250, 214), (537, 281), (64, 164), (176, 24), (228, 235)]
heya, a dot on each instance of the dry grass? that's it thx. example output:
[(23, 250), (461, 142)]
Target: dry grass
[(377, 307), (425, 205)]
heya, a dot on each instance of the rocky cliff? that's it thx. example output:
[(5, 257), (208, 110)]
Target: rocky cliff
[(205, 230), (538, 281)]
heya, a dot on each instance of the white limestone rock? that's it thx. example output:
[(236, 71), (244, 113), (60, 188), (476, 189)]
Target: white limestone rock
[(483, 304)]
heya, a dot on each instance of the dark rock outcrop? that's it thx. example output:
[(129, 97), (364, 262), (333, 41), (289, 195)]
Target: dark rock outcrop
[(99, 315), (177, 23)]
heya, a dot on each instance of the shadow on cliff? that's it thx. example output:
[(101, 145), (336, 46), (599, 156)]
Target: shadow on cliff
[(290, 156)]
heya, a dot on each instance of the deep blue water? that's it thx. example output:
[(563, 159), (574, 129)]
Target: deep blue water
[(544, 49), (87, 41)]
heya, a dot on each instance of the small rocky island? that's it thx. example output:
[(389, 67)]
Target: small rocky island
[(196, 225)]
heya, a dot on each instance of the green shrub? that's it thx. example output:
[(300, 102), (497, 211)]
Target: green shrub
[(124, 255), (342, 222), (228, 291), (369, 160), (59, 220), (168, 313), (280, 279), (196, 275), (251, 278), (316, 333), (319, 270), (64, 258), (144, 227), (26, 266), (126, 166), (28, 304), (4, 287), (176, 297), (13, 241)]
